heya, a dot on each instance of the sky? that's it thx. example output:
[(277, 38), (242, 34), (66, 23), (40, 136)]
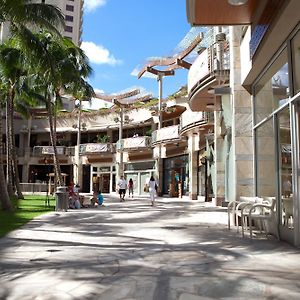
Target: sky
[(119, 35)]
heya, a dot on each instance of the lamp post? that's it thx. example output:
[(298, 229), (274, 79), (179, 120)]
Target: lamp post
[(120, 166), (78, 171), (123, 100)]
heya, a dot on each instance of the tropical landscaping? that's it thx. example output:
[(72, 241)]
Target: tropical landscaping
[(24, 210), (36, 69)]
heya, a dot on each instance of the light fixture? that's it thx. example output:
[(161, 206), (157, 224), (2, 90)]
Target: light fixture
[(77, 103), (210, 105), (237, 2)]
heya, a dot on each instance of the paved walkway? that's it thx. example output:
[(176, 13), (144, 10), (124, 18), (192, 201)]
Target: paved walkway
[(178, 249)]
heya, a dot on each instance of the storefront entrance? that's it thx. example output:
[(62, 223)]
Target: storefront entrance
[(176, 176), (103, 179), (140, 173), (277, 137)]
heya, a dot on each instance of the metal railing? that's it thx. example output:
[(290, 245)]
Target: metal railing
[(192, 119)]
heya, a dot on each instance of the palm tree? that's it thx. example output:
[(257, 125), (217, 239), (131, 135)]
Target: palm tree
[(4, 199), (20, 14), (11, 60), (23, 13), (62, 68)]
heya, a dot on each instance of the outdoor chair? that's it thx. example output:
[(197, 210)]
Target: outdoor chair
[(242, 211), (234, 208), (287, 205), (264, 212)]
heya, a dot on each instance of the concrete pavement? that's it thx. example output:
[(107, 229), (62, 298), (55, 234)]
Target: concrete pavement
[(179, 249)]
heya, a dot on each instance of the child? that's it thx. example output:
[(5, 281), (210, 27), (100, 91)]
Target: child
[(100, 198)]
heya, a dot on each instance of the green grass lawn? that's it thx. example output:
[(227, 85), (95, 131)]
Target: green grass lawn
[(27, 209)]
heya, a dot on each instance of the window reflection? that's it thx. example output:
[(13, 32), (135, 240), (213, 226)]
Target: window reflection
[(265, 163), (272, 91), (296, 62), (285, 167)]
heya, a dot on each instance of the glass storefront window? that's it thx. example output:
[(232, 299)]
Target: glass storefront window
[(265, 160), (272, 90), (176, 174), (296, 62), (285, 167)]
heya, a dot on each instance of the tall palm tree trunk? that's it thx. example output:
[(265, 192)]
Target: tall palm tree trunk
[(51, 113), (4, 199), (14, 159), (9, 170)]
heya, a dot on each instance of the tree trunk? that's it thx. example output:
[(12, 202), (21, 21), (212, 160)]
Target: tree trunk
[(51, 113), (4, 199), (14, 159), (9, 170)]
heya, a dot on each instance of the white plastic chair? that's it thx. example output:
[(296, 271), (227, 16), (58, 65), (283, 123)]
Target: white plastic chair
[(243, 211), (234, 209), (264, 212), (287, 205)]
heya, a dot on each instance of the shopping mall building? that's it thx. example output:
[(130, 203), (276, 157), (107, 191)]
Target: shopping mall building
[(98, 154), (257, 109), (234, 133)]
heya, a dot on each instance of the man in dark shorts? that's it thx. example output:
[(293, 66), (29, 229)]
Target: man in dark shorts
[(122, 184)]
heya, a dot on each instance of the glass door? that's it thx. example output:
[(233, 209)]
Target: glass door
[(286, 207), (296, 171), (144, 178)]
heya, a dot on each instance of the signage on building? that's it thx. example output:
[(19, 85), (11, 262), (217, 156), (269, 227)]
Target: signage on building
[(50, 150), (136, 142), (93, 148)]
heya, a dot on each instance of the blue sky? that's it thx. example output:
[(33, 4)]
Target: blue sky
[(119, 35)]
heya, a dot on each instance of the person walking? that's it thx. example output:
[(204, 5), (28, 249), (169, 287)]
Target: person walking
[(152, 189), (122, 184), (130, 187)]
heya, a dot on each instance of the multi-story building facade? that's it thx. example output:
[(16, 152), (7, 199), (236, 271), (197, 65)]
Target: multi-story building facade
[(73, 12), (184, 173), (256, 132)]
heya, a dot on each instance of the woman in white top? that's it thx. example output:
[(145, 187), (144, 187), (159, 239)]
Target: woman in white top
[(152, 189)]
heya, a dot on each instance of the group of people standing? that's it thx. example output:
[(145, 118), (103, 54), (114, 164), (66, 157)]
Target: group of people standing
[(151, 186)]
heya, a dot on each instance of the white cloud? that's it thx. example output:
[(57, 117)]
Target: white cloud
[(98, 91), (96, 103), (91, 5), (136, 71), (98, 54)]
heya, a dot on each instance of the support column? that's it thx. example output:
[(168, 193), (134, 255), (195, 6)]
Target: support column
[(219, 184), (242, 139), (159, 161), (120, 162), (193, 140), (78, 160)]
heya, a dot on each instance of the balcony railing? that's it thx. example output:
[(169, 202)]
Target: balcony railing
[(96, 148), (166, 134), (133, 143), (48, 150), (191, 119), (212, 62)]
